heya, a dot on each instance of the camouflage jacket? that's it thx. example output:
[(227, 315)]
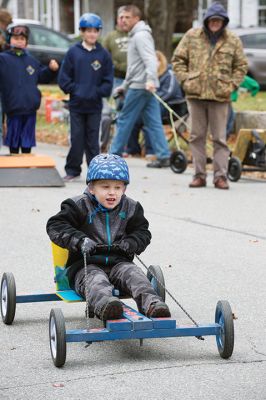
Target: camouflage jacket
[(206, 72)]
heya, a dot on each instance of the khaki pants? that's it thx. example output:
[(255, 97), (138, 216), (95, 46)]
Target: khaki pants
[(212, 114)]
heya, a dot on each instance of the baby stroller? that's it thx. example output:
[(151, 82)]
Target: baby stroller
[(177, 117), (249, 153), (109, 115)]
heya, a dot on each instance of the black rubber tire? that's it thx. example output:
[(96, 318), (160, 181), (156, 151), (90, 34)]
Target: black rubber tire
[(224, 317), (8, 298), (178, 162), (234, 169), (57, 337), (155, 275)]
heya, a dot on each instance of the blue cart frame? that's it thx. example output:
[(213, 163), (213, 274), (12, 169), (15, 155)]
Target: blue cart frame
[(133, 325)]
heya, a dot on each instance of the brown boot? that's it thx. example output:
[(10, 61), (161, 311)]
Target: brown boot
[(197, 182), (221, 183)]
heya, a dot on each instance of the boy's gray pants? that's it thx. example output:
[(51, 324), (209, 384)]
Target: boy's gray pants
[(125, 276)]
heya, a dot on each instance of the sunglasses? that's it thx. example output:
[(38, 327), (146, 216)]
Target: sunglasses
[(20, 30)]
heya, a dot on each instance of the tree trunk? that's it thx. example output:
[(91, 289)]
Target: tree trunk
[(4, 3), (162, 19)]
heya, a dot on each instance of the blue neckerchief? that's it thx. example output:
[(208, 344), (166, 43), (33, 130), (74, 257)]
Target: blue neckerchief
[(98, 208)]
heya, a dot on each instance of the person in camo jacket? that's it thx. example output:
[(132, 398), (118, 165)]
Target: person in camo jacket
[(210, 64)]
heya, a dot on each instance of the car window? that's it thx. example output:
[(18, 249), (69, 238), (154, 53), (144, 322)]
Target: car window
[(44, 37), (254, 41)]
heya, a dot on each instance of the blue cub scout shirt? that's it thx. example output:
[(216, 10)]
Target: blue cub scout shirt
[(19, 77), (87, 76)]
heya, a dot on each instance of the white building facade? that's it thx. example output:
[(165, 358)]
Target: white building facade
[(242, 13), (63, 15)]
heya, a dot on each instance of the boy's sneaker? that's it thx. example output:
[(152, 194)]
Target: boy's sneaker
[(70, 178), (112, 309), (158, 310)]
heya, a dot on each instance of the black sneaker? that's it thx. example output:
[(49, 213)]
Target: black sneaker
[(162, 163), (158, 310), (112, 309)]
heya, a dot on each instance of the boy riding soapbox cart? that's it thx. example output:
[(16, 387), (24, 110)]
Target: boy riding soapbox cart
[(133, 325)]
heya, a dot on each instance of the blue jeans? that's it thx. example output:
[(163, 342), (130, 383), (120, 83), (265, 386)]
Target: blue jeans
[(133, 146), (230, 121), (140, 102)]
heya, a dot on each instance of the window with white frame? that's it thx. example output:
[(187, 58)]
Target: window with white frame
[(202, 8), (262, 13)]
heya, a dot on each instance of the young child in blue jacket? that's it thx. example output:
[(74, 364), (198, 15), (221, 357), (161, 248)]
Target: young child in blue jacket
[(87, 75), (110, 228), (20, 74)]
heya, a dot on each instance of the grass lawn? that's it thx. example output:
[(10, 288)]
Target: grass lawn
[(247, 102)]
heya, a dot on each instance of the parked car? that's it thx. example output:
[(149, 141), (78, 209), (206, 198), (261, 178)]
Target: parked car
[(45, 43), (254, 43)]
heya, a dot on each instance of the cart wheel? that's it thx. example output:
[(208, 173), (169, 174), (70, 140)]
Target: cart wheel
[(8, 298), (155, 276), (178, 162), (234, 169), (224, 317), (57, 337)]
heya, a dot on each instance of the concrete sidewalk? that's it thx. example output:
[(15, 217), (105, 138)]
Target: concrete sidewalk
[(211, 245)]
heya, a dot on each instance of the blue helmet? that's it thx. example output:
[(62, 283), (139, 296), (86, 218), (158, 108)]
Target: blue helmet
[(108, 166), (89, 20)]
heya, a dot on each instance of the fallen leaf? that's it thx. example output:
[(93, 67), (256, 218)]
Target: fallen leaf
[(58, 385)]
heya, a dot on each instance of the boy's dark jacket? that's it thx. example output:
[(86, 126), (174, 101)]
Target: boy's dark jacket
[(87, 76), (19, 77), (81, 217)]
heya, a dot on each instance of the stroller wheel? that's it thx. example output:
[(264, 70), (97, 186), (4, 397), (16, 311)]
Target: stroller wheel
[(234, 169), (178, 162)]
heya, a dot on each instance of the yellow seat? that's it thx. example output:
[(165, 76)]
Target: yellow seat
[(60, 257), (63, 290)]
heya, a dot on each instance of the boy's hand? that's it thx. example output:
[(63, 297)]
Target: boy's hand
[(88, 246), (53, 65), (128, 248)]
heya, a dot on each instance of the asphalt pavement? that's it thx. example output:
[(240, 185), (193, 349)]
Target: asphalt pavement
[(211, 245)]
